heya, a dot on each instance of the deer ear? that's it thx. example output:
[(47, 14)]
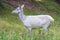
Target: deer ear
[(22, 6), (19, 5)]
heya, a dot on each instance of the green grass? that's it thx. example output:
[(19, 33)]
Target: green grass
[(11, 28)]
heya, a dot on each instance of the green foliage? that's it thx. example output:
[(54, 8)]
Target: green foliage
[(48, 6), (2, 7)]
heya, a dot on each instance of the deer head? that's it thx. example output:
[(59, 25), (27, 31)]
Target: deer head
[(19, 9)]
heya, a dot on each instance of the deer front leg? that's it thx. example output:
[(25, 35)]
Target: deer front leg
[(30, 30)]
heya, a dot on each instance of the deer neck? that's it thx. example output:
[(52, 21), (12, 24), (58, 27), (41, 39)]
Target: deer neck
[(22, 16)]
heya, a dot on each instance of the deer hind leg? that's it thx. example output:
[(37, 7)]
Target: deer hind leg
[(46, 28)]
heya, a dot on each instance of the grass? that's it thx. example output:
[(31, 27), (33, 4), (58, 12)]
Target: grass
[(11, 28)]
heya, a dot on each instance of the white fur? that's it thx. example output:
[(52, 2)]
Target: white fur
[(36, 21)]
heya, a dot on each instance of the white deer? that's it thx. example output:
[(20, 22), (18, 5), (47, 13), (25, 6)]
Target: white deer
[(36, 21)]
